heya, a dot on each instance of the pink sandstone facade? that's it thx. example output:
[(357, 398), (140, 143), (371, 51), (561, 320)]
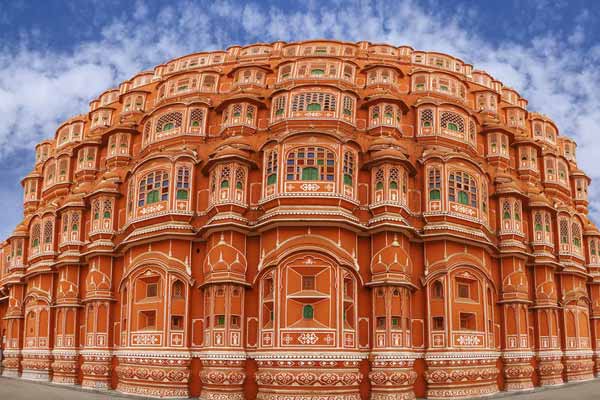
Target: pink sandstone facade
[(319, 220)]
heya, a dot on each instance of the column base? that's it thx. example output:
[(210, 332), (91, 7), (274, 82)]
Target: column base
[(36, 365), (96, 369), (65, 367), (550, 367), (11, 364), (579, 365), (392, 376), (308, 377), (459, 375), (518, 370), (155, 374), (222, 376)]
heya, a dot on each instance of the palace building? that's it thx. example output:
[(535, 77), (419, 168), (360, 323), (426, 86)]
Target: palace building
[(319, 220)]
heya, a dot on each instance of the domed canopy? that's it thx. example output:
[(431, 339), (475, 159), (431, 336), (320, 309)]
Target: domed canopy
[(391, 265), (224, 263)]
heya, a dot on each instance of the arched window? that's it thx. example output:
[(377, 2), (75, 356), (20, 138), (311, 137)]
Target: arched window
[(183, 183), (153, 187), (48, 231), (35, 236), (426, 121), (225, 176), (564, 231), (311, 163), (271, 168), (348, 168), (197, 120), (308, 311), (437, 291), (506, 210), (240, 179), (462, 188), (435, 182), (576, 234), (178, 290), (279, 107), (107, 209)]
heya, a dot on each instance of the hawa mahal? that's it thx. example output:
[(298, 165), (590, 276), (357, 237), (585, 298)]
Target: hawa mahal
[(319, 220)]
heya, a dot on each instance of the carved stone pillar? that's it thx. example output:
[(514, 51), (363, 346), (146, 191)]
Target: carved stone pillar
[(14, 333), (392, 376), (65, 367)]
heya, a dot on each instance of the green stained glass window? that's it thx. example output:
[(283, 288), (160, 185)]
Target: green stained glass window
[(152, 197), (310, 174), (347, 180), (182, 194), (308, 312)]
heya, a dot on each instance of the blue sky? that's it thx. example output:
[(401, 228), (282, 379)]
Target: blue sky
[(56, 57)]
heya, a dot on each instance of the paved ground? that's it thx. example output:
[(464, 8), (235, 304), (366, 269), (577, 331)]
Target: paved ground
[(16, 389)]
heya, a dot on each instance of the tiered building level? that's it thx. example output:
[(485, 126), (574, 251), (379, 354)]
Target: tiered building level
[(313, 221)]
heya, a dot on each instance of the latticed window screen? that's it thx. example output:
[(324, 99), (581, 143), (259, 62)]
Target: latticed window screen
[(348, 168), (311, 163), (517, 209), (564, 231), (250, 112), (375, 114), (168, 121), (225, 176), (271, 167), (435, 184), (75, 222), (427, 118), (153, 187), (107, 209), (240, 178), (197, 118), (314, 101), (576, 234), (462, 188), (96, 209), (506, 210), (35, 235), (48, 232), (452, 121), (379, 177), (393, 179)]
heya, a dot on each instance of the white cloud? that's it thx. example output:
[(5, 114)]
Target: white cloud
[(39, 88)]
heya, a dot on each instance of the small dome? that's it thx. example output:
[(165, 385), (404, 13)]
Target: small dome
[(223, 257), (390, 259)]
